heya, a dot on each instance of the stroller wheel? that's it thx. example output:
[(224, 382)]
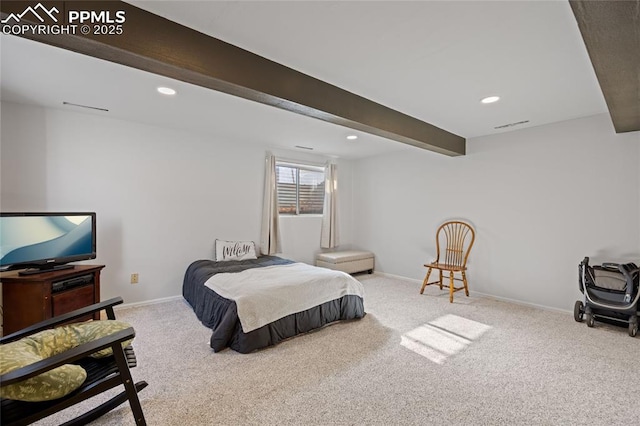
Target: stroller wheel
[(590, 319), (578, 311), (633, 327)]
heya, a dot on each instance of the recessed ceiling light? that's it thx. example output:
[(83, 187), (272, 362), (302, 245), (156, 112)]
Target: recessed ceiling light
[(352, 137), (490, 99), (166, 91)]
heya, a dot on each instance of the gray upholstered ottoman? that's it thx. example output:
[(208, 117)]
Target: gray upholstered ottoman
[(350, 261)]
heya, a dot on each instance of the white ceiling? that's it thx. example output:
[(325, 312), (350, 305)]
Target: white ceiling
[(431, 60)]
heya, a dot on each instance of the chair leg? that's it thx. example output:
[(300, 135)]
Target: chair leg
[(464, 280), (129, 386), (451, 287), (103, 408), (426, 279), (440, 279)]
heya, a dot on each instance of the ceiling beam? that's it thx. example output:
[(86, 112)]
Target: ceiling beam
[(155, 44), (611, 32)]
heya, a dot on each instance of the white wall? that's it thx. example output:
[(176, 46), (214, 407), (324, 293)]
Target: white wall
[(162, 196), (20, 191), (540, 199)]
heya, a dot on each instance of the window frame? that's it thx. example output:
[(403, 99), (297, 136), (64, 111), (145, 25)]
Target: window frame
[(300, 166)]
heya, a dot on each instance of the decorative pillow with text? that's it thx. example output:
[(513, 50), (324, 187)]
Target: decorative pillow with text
[(235, 250)]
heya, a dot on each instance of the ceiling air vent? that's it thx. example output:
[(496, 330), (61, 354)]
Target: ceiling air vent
[(504, 126), (84, 106), (304, 147)]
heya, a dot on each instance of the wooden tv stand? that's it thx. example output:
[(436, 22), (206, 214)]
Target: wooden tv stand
[(28, 299)]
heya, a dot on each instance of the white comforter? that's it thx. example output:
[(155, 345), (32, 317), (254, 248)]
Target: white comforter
[(264, 295)]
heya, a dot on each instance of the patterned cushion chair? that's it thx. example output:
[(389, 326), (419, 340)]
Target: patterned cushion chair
[(45, 370)]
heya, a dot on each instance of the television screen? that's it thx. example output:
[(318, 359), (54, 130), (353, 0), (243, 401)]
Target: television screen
[(46, 240)]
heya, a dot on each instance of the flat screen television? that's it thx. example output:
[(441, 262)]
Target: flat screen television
[(43, 242)]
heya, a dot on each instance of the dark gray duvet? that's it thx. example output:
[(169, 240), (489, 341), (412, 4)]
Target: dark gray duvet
[(220, 314)]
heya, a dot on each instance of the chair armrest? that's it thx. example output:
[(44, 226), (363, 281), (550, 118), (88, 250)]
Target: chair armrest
[(113, 340), (50, 323)]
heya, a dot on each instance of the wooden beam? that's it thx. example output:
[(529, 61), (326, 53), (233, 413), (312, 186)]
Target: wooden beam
[(155, 44), (611, 32)]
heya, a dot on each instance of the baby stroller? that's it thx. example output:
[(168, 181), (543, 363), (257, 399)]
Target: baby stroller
[(611, 293)]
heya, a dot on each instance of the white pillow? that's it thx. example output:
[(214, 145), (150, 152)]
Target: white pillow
[(235, 250)]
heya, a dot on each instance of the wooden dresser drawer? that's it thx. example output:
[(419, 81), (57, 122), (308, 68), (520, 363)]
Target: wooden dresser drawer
[(69, 300)]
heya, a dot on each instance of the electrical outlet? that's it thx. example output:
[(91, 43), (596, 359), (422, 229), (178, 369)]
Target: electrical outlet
[(134, 278)]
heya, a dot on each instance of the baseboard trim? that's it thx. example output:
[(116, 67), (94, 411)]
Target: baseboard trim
[(520, 302), (487, 295), (384, 274), (398, 277), (147, 302)]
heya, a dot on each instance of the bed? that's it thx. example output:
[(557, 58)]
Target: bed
[(260, 276)]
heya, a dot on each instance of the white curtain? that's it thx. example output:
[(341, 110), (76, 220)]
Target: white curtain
[(270, 232), (329, 234)]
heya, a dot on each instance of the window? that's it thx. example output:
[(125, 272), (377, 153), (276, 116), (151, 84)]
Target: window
[(300, 189)]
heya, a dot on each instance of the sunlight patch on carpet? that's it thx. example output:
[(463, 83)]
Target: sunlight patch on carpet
[(443, 337)]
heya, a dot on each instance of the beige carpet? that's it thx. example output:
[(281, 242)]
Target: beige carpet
[(414, 359)]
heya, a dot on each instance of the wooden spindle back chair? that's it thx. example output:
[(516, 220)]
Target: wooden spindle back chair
[(454, 240)]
